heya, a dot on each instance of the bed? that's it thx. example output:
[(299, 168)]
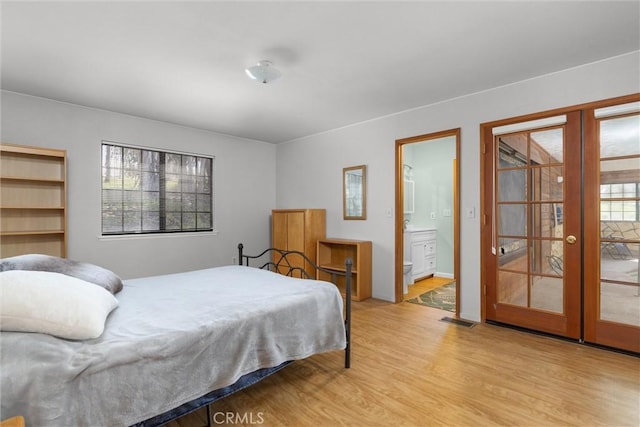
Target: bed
[(173, 343)]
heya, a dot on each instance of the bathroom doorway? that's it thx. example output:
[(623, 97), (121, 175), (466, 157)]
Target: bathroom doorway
[(427, 220)]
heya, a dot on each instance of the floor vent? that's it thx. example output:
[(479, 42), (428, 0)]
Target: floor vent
[(465, 323)]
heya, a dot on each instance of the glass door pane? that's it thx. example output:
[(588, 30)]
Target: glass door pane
[(512, 219), (619, 202), (530, 220)]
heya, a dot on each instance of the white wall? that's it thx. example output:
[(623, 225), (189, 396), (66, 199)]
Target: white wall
[(433, 175), (309, 169), (244, 184), (306, 172)]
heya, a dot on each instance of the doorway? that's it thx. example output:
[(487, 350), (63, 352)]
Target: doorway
[(427, 210), (561, 222)]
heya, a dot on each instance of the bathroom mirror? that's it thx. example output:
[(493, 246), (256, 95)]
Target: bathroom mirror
[(409, 196), (354, 192)]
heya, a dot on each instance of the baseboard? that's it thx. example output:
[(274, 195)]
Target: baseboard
[(443, 275)]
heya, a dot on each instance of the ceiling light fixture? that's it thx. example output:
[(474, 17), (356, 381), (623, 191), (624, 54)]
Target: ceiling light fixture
[(263, 71)]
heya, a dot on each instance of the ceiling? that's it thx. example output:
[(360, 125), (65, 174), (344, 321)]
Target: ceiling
[(343, 62)]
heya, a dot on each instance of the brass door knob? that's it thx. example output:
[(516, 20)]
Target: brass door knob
[(571, 239)]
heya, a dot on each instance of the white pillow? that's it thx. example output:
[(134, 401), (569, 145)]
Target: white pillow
[(54, 304)]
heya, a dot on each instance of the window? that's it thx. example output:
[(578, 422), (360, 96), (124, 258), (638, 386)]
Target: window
[(150, 191), (614, 207)]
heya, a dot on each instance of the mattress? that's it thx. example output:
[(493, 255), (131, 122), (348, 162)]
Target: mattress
[(172, 339)]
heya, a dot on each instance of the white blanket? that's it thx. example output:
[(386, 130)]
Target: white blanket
[(172, 339)]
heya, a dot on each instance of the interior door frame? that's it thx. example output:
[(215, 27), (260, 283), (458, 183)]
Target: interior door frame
[(399, 209), (588, 238)]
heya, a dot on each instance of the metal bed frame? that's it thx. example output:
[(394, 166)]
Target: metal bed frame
[(286, 266)]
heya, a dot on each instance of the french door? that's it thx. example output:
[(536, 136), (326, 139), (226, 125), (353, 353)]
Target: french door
[(612, 209), (561, 224)]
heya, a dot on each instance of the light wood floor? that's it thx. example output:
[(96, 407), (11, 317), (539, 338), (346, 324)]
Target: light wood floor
[(424, 285), (411, 369)]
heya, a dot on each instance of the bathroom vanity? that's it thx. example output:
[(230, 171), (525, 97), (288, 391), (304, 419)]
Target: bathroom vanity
[(422, 247)]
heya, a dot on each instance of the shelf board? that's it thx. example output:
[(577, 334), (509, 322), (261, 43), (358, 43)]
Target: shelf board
[(50, 208), (346, 242), (32, 179), (337, 267), (30, 232), (11, 149)]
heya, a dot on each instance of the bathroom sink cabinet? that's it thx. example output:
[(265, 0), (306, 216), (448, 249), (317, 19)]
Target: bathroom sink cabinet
[(332, 254), (423, 254)]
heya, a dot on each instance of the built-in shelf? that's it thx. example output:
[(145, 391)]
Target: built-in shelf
[(32, 200)]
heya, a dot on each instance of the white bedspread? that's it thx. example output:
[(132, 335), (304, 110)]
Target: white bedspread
[(172, 339)]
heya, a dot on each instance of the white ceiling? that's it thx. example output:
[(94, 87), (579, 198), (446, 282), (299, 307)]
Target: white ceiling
[(343, 62)]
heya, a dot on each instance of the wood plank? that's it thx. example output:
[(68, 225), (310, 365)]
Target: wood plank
[(409, 368), (34, 151)]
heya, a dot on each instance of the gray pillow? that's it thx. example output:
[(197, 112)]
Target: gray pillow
[(80, 270)]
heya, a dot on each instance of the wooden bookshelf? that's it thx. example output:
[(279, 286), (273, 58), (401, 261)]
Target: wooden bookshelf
[(331, 255), (32, 200)]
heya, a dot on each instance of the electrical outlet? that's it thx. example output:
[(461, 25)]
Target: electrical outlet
[(234, 260), (433, 215)]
